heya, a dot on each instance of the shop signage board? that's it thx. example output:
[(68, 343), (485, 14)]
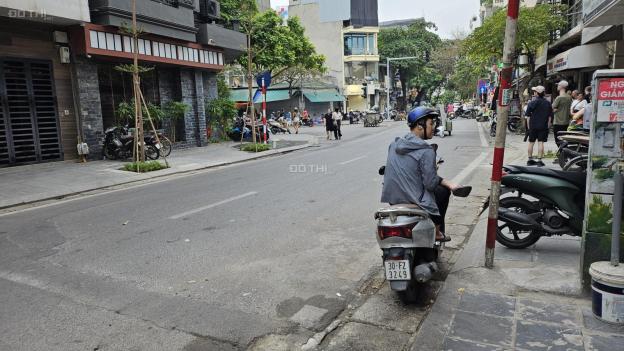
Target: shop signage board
[(610, 100)]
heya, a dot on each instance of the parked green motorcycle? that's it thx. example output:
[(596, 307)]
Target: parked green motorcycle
[(545, 202)]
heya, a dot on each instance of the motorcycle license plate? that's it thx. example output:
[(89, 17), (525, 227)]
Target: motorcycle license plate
[(397, 270), (158, 146)]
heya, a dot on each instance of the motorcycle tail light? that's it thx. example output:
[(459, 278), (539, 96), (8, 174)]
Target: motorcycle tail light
[(398, 231)]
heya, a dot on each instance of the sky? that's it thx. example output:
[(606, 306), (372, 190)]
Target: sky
[(448, 15)]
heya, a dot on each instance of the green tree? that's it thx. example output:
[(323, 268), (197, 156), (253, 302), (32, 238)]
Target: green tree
[(222, 110), (236, 10), (535, 25), (278, 48), (417, 40)]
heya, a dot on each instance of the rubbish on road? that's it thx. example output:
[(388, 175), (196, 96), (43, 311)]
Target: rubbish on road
[(187, 240), (338, 294), (192, 281), (124, 223)]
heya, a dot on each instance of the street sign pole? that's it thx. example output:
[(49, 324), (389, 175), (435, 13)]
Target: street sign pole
[(503, 113), (264, 114)]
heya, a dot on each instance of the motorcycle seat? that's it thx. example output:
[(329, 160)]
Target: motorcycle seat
[(577, 178)]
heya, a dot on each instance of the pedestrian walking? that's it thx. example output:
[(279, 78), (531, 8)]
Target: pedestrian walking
[(561, 108), (329, 124), (337, 117), (540, 113), (296, 120)]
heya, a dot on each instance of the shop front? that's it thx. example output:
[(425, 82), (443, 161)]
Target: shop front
[(180, 71), (578, 64)]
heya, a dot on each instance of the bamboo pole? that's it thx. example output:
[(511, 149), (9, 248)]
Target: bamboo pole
[(149, 117)]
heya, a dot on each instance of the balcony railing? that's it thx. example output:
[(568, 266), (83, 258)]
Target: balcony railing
[(574, 17)]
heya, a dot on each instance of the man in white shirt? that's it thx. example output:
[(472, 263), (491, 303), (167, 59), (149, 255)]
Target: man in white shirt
[(337, 118)]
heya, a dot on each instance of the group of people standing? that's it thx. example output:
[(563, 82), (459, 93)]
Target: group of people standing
[(283, 117), (332, 123), (569, 111)]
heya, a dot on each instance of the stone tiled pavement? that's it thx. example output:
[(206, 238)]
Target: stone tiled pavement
[(491, 321)]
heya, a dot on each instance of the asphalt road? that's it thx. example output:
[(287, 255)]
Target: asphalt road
[(208, 261)]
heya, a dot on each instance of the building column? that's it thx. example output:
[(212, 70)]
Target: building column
[(192, 90), (618, 55), (90, 106)]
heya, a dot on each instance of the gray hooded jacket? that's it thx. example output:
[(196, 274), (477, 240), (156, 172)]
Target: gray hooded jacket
[(411, 175)]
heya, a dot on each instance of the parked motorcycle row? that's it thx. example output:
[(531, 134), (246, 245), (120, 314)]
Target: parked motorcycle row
[(119, 143)]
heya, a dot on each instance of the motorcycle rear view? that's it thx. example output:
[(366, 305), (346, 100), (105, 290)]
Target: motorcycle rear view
[(406, 236)]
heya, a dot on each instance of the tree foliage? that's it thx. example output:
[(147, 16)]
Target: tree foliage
[(417, 40), (222, 110), (237, 10), (535, 24), (276, 47)]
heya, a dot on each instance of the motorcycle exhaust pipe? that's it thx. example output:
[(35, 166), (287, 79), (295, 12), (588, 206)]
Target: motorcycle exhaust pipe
[(520, 220), (423, 272)]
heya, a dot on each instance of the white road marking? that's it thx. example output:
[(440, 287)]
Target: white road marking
[(484, 142), (203, 208), (470, 168), (353, 160)]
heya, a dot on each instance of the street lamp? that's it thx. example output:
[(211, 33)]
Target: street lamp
[(388, 59)]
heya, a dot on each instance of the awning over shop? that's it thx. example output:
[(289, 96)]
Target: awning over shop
[(242, 95), (582, 56), (323, 95)]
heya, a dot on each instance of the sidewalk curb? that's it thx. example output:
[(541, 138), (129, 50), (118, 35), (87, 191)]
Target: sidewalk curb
[(18, 206)]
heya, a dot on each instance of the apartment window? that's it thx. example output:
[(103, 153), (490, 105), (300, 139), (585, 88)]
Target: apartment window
[(148, 47), (101, 40), (141, 46), (93, 38), (116, 42), (360, 44), (126, 42), (117, 39)]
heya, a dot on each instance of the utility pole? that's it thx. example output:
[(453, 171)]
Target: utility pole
[(504, 97)]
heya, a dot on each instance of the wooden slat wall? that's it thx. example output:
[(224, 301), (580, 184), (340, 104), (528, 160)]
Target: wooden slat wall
[(37, 43)]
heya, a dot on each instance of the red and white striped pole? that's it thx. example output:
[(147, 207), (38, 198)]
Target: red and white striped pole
[(264, 114), (504, 96)]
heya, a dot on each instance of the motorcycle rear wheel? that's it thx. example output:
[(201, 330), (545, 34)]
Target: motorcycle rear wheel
[(108, 153), (151, 152), (577, 164), (413, 294), (520, 205)]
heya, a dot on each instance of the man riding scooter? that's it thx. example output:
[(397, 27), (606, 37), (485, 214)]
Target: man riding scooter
[(411, 172)]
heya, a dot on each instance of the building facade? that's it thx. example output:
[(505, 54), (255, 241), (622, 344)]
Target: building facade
[(345, 31), (59, 77)]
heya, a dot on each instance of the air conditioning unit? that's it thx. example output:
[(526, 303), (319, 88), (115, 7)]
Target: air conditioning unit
[(210, 9)]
